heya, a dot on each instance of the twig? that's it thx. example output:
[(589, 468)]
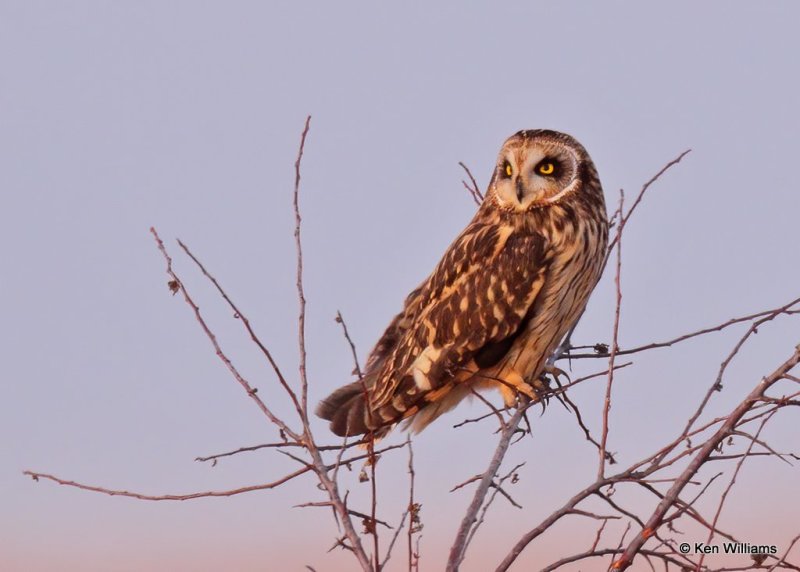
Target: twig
[(682, 338), (395, 536), (606, 552), (599, 533), (321, 468), (241, 316), (177, 285), (458, 550), (340, 320), (614, 345), (414, 522), (732, 482), (717, 385), (328, 504), (120, 493), (301, 319), (643, 190), (370, 443), (474, 191), (785, 554), (281, 445), (498, 488)]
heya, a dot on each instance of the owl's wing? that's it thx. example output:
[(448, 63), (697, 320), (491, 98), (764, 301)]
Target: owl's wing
[(476, 298), (394, 331)]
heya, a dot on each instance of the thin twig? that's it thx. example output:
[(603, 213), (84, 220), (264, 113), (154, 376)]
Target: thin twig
[(785, 554), (643, 190), (414, 521), (459, 547), (395, 536), (682, 338), (301, 319), (190, 496), (241, 316), (357, 366), (717, 385), (176, 285), (732, 482), (373, 459), (474, 191), (280, 445), (330, 486), (328, 504), (614, 343)]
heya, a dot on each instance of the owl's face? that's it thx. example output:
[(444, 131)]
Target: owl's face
[(536, 169)]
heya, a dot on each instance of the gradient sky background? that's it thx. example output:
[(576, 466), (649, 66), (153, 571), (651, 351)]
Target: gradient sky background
[(115, 116)]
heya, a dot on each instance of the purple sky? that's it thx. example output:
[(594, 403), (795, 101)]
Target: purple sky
[(115, 116)]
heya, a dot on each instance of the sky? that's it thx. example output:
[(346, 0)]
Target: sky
[(186, 116)]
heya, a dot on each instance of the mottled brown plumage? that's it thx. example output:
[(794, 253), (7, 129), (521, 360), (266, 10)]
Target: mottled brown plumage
[(501, 299)]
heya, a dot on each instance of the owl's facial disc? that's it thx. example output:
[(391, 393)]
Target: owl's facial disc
[(534, 175)]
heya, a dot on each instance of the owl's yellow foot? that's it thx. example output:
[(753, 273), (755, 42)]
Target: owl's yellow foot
[(514, 384), (537, 389)]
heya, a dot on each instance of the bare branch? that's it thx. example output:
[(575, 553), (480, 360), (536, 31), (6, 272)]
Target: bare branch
[(473, 189), (733, 481), (610, 551), (240, 315), (357, 369), (709, 446), (414, 508), (717, 385), (328, 504), (785, 554), (190, 496), (614, 345), (176, 285), (301, 318), (458, 550), (600, 352), (279, 445), (640, 196)]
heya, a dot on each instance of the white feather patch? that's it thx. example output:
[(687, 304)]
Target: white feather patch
[(422, 366)]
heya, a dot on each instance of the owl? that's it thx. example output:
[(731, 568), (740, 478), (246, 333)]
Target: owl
[(498, 303)]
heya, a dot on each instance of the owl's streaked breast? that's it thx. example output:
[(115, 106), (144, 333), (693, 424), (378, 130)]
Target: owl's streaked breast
[(578, 251)]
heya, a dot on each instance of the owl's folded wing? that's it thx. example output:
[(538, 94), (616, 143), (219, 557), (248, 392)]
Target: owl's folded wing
[(473, 302)]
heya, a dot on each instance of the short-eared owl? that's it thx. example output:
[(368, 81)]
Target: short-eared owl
[(501, 299)]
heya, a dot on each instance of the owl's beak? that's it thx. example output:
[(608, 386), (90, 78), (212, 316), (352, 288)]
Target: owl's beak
[(520, 190)]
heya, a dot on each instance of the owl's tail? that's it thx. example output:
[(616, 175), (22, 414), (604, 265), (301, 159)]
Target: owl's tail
[(350, 415), (346, 409)]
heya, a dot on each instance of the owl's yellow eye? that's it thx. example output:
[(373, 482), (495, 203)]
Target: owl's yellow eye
[(508, 169), (546, 168)]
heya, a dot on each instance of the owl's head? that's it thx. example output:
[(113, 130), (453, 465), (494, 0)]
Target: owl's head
[(539, 168)]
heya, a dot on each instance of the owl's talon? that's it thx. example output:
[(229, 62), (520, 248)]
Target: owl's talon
[(555, 373), (515, 389)]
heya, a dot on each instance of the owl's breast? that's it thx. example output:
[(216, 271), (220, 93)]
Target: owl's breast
[(574, 268)]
